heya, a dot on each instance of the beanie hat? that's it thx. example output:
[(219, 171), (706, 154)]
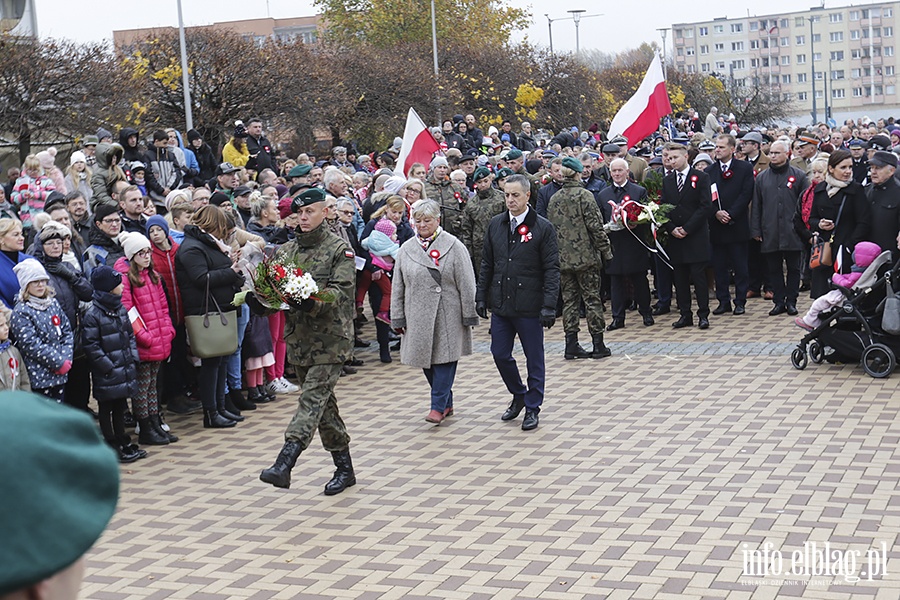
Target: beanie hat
[(193, 134), (54, 231), (103, 133), (282, 190), (29, 270), (386, 226), (54, 199), (158, 221), (284, 207), (218, 199), (439, 161), (105, 279), (47, 158), (133, 242), (394, 183), (176, 196), (77, 157), (104, 210)]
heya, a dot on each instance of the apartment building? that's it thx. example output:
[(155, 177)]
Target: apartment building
[(305, 28), (844, 57)]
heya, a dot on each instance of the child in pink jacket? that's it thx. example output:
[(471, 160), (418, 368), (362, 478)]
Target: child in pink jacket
[(143, 290)]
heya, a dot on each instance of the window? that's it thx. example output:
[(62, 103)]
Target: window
[(754, 63), (754, 44), (876, 51), (785, 41), (801, 40), (854, 15), (801, 96), (798, 21), (855, 73), (704, 49), (819, 94), (857, 53), (689, 33), (888, 50), (738, 64), (679, 51), (785, 60), (889, 70), (837, 74), (718, 28), (837, 55), (705, 67), (890, 90), (754, 26), (785, 79), (867, 72), (836, 36), (879, 90), (801, 77), (887, 32), (689, 51), (801, 59), (887, 12), (787, 97), (820, 75), (737, 46), (854, 35), (720, 47), (737, 27), (869, 13), (720, 65), (817, 56), (704, 31), (691, 69), (857, 92), (816, 38), (835, 17), (837, 92), (783, 23)]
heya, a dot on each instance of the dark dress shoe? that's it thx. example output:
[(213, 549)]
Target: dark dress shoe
[(648, 321), (703, 323), (791, 309), (530, 421), (231, 416), (661, 310), (778, 310), (616, 324), (683, 322), (723, 308), (355, 362), (515, 407), (360, 343), (738, 309)]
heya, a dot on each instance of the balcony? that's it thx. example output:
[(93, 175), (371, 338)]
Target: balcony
[(873, 21)]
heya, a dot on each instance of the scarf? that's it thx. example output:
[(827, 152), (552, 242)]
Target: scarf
[(4, 346), (806, 202), (40, 303), (426, 242), (833, 186), (225, 248)]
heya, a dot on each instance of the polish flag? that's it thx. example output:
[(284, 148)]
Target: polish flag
[(418, 144), (639, 117)]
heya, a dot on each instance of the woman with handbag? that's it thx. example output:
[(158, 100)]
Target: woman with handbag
[(208, 277), (839, 216)]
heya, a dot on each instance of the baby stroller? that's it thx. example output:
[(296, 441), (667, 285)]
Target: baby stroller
[(853, 330)]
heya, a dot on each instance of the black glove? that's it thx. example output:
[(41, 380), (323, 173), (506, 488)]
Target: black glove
[(548, 318), (306, 305), (481, 310)]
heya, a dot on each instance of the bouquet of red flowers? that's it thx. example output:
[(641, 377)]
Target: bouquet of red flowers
[(277, 284)]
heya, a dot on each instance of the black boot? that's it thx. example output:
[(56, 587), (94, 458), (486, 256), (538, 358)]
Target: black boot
[(344, 476), (573, 349), (240, 403), (265, 395), (231, 409), (158, 421), (213, 420), (150, 435), (600, 349), (279, 474), (254, 397)]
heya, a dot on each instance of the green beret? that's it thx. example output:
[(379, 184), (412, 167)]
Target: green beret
[(480, 173), (514, 154), (307, 197), (60, 487), (504, 172), (300, 171), (573, 163)]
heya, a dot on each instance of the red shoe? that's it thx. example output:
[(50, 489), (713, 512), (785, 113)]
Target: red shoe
[(435, 417), (448, 412)]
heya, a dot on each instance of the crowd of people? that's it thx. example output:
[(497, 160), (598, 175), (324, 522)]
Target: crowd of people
[(101, 261)]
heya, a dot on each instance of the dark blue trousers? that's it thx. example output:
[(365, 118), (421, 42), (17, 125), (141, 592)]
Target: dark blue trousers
[(440, 378), (731, 257), (663, 281), (503, 334)]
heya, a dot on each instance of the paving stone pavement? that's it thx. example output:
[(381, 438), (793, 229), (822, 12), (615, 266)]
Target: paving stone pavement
[(650, 476)]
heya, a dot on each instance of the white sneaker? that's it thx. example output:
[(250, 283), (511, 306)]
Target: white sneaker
[(276, 387), (290, 388)]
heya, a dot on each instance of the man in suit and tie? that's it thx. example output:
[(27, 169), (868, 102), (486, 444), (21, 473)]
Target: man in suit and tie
[(688, 191), (729, 225)]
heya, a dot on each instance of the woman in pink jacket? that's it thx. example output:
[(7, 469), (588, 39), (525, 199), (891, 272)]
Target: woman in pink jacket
[(143, 290)]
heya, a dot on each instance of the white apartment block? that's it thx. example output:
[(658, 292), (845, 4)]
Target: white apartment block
[(844, 57)]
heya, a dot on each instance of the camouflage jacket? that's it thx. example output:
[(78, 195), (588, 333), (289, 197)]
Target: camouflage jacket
[(323, 335), (477, 216), (583, 244), (452, 199)]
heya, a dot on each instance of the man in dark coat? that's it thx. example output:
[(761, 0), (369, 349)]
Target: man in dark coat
[(729, 225), (547, 190), (777, 225), (262, 154), (688, 191), (860, 163), (631, 259), (519, 283), (885, 196)]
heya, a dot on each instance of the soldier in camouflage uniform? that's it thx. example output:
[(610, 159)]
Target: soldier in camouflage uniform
[(319, 338), (515, 159), (452, 197), (583, 246), (480, 209)]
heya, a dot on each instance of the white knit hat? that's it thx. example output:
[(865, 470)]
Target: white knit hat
[(439, 161), (77, 156), (29, 270), (394, 183), (132, 243)]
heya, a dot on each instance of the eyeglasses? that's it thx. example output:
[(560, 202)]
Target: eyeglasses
[(346, 212), (111, 221), (414, 190), (144, 252)]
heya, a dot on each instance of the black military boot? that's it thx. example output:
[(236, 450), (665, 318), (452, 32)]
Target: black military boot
[(600, 349), (279, 474), (344, 476), (573, 349), (150, 435)]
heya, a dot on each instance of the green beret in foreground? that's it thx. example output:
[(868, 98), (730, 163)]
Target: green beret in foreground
[(300, 171), (514, 154), (480, 173), (307, 197), (573, 163), (60, 486)]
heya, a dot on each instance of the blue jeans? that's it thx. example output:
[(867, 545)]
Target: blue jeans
[(531, 334), (234, 361), (440, 378)]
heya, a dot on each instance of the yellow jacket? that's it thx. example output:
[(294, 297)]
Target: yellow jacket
[(238, 159)]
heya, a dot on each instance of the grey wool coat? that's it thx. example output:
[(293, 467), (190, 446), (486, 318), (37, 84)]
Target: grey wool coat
[(434, 303)]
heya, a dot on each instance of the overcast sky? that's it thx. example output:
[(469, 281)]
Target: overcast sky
[(624, 24)]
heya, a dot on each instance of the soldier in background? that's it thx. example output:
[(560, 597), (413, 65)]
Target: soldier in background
[(450, 196), (319, 340), (487, 202), (583, 247), (636, 166)]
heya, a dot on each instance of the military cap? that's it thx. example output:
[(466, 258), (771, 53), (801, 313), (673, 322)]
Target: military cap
[(681, 139), (706, 145), (307, 197), (547, 153), (883, 159), (480, 173), (514, 154), (880, 142), (60, 487), (572, 163), (241, 190), (610, 148), (756, 137), (644, 152), (656, 160), (803, 140), (504, 173), (856, 143), (225, 168), (619, 140), (300, 171)]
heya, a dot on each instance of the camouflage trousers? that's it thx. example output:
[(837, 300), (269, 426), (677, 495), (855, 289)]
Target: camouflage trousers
[(578, 286), (317, 409)]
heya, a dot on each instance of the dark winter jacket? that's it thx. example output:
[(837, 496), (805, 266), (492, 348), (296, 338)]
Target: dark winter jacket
[(265, 155), (105, 175), (205, 158), (199, 259), (273, 234), (109, 344), (103, 250), (132, 153), (854, 223), (71, 287), (161, 163), (44, 337), (164, 263)]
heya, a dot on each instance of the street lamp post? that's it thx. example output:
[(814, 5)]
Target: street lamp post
[(436, 71), (662, 32), (550, 27), (185, 79), (812, 62), (576, 16)]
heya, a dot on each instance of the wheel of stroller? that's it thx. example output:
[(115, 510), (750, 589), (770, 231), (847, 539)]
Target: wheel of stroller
[(816, 352), (799, 358), (878, 361)]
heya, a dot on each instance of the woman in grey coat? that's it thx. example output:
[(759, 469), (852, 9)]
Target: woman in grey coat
[(433, 305)]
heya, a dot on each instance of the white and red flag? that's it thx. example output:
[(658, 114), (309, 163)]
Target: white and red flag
[(639, 117), (418, 144)]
